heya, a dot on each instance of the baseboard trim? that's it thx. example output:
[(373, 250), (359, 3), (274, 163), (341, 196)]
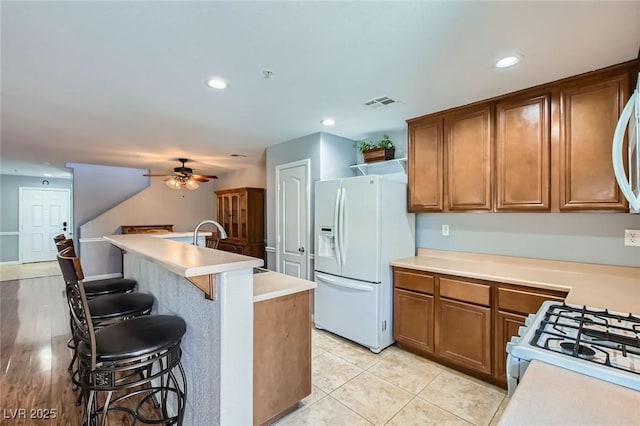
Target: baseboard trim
[(102, 277), (2, 234), (11, 262)]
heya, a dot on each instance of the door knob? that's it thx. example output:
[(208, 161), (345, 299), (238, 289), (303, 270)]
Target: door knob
[(301, 249)]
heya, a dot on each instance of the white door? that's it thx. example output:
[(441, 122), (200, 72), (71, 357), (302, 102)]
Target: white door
[(292, 218), (43, 214)]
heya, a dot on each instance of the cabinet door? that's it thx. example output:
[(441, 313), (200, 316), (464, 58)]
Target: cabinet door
[(507, 325), (588, 117), (468, 159), (425, 165), (522, 154), (413, 319), (464, 334)]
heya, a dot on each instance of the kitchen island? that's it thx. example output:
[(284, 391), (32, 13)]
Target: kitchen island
[(214, 291)]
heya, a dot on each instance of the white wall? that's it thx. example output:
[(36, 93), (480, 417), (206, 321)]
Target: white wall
[(155, 205)]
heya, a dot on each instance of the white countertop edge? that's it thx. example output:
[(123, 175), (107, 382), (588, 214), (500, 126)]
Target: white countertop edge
[(271, 285), (238, 262), (283, 292), (206, 270)]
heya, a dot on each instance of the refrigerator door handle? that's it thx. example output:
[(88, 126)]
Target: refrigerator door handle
[(336, 233), (339, 283), (342, 226)]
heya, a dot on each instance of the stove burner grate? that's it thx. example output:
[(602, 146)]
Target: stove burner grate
[(597, 336), (581, 352)]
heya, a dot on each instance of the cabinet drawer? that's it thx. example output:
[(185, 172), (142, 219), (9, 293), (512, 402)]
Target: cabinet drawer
[(414, 281), (466, 291), (231, 247), (522, 301)]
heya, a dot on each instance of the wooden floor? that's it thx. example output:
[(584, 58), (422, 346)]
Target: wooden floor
[(35, 385), (34, 328)]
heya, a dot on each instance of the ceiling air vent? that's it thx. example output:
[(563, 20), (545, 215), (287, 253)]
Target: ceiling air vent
[(379, 102)]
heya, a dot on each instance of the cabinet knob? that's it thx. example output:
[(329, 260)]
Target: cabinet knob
[(301, 249)]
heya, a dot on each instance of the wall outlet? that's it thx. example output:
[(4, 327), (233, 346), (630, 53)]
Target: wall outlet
[(445, 230), (632, 237)]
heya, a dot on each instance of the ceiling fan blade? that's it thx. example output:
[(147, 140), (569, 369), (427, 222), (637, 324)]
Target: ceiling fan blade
[(199, 178), (207, 176), (155, 175)]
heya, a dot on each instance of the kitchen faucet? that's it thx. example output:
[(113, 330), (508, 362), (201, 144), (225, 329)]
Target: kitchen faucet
[(221, 230)]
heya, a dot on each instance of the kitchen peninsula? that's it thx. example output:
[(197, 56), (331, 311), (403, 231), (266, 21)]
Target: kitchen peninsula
[(215, 291)]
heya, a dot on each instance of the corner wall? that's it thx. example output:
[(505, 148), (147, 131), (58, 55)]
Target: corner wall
[(9, 202)]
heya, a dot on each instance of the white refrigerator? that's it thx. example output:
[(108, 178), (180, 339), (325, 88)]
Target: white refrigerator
[(361, 224)]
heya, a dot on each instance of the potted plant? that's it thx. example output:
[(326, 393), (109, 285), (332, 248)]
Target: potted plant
[(381, 151)]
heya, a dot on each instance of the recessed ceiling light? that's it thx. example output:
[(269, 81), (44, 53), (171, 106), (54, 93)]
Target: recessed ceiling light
[(217, 83), (328, 122), (508, 61)]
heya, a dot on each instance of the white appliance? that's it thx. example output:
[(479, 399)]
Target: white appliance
[(361, 225), (629, 119), (595, 342)]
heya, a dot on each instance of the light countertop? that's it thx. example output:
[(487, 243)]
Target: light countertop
[(550, 395), (270, 285), (189, 261), (599, 286), (183, 259)]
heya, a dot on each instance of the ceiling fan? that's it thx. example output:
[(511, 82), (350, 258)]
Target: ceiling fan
[(183, 176)]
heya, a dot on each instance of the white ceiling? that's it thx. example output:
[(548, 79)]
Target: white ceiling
[(123, 83)]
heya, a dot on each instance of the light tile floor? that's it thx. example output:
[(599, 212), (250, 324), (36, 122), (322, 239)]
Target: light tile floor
[(353, 386), (29, 270)]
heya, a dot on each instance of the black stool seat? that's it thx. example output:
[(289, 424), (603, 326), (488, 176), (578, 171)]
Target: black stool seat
[(135, 337), (119, 305), (108, 286)]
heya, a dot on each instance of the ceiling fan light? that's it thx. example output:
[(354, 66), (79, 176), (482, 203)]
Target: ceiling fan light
[(172, 183), (191, 185)]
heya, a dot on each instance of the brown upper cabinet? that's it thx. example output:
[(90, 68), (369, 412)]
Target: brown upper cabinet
[(468, 159), (450, 161), (589, 113), (546, 148), (523, 153), (426, 165)]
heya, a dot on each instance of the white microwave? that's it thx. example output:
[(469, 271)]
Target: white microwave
[(629, 120)]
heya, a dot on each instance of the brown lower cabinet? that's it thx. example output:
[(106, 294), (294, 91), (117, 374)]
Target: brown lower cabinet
[(507, 325), (412, 311), (464, 334), (462, 322), (281, 355)]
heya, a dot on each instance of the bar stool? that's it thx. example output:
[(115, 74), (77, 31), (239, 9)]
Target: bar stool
[(104, 309), (131, 358), (104, 286)]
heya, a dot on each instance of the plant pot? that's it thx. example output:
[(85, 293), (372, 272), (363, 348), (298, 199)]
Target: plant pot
[(378, 154)]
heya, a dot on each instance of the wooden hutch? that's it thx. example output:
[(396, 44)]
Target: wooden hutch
[(241, 213)]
